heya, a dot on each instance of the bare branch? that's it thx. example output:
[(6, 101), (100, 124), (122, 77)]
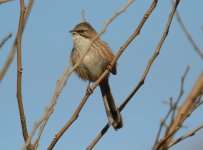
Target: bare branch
[(185, 136), (173, 107), (19, 72), (188, 106), (4, 1), (141, 82), (60, 85), (13, 50), (189, 37), (17, 44), (180, 94), (5, 39), (8, 61), (83, 16)]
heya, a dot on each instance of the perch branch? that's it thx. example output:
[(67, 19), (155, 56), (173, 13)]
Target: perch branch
[(60, 85), (79, 108), (141, 82)]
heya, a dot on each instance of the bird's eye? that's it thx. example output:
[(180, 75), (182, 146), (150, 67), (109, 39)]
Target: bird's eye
[(81, 31)]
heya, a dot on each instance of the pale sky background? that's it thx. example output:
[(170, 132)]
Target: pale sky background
[(46, 47)]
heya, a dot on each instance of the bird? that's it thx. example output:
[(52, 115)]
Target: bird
[(97, 57)]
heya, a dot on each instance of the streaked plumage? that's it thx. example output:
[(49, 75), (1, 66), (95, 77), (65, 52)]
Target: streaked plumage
[(93, 64)]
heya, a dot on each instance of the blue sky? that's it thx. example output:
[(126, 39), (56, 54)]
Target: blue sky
[(46, 47)]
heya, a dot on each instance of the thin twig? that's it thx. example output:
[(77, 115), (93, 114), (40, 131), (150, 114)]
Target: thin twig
[(13, 50), (60, 85), (180, 124), (199, 102), (141, 82), (188, 35), (151, 60), (173, 107), (83, 16), (184, 112), (162, 123), (185, 136), (5, 39), (180, 94)]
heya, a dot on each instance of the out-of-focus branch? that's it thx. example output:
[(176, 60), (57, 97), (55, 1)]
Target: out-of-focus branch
[(5, 39), (62, 82), (188, 106), (141, 82), (4, 1), (13, 50), (8, 61), (173, 107), (196, 48)]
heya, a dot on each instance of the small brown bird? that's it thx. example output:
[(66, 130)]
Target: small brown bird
[(93, 64)]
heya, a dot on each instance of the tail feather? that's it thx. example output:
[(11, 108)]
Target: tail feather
[(112, 111)]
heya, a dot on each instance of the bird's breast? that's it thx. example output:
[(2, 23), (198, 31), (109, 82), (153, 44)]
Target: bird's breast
[(92, 64)]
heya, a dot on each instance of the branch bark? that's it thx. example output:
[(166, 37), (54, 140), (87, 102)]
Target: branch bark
[(19, 72)]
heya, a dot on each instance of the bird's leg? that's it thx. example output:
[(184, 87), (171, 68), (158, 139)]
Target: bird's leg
[(89, 89)]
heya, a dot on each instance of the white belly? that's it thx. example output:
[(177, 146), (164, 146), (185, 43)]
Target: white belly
[(92, 62)]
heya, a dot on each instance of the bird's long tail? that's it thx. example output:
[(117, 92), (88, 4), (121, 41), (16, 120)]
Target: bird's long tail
[(112, 111)]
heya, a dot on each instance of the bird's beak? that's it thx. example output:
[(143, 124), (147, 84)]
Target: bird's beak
[(72, 31)]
